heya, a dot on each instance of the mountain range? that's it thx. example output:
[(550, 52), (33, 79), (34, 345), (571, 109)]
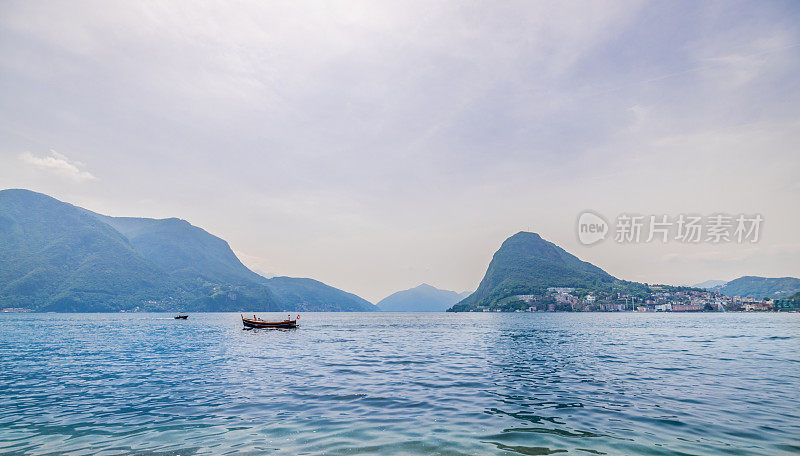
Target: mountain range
[(60, 257), (754, 287), (423, 298), (55, 256), (760, 287)]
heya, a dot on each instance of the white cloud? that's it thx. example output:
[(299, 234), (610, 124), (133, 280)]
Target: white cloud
[(58, 164)]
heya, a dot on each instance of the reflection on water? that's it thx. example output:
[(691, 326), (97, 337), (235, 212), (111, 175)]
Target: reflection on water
[(532, 384)]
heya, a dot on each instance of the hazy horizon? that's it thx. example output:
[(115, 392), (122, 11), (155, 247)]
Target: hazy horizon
[(378, 146)]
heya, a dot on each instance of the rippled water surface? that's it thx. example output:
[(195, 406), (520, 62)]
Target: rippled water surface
[(531, 384)]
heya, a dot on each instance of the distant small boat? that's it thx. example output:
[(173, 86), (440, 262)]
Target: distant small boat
[(256, 322), (181, 317)]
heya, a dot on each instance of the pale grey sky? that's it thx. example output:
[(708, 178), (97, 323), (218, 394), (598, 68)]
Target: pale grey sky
[(378, 145)]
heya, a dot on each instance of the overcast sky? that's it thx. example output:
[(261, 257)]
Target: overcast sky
[(378, 145)]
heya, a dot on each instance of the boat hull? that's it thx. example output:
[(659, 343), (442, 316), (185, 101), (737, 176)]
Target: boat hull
[(289, 324)]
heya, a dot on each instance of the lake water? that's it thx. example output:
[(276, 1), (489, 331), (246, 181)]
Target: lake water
[(533, 384)]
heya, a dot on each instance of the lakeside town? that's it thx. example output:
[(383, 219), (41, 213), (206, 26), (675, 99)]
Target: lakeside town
[(661, 299)]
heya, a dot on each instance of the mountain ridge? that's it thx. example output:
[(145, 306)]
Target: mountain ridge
[(524, 264), (710, 284), (761, 287), (155, 240), (422, 298), (61, 257)]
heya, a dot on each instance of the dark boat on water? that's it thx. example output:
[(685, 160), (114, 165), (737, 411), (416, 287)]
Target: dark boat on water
[(181, 317), (256, 322)]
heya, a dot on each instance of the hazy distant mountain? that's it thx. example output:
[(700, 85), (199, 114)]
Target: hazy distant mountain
[(761, 287), (527, 264), (56, 256), (310, 294), (709, 284), (423, 298)]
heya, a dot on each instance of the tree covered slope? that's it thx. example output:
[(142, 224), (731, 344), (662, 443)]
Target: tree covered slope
[(527, 264), (60, 257), (761, 287), (55, 256)]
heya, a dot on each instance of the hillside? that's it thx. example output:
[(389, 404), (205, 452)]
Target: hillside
[(761, 287), (527, 264), (312, 295), (60, 257), (57, 257), (423, 298), (183, 249)]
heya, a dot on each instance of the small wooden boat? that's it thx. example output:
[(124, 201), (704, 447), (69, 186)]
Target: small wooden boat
[(256, 322), (181, 317)]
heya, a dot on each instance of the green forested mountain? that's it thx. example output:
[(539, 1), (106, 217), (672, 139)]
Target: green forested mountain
[(182, 248), (761, 287), (527, 264), (59, 257), (55, 256), (423, 298), (310, 294)]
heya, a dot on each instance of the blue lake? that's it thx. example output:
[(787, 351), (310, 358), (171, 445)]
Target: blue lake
[(534, 384)]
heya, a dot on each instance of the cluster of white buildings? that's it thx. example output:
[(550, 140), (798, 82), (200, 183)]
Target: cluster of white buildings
[(661, 300)]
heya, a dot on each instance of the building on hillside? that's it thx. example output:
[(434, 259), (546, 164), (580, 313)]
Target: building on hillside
[(687, 307), (560, 290), (565, 298), (757, 307)]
